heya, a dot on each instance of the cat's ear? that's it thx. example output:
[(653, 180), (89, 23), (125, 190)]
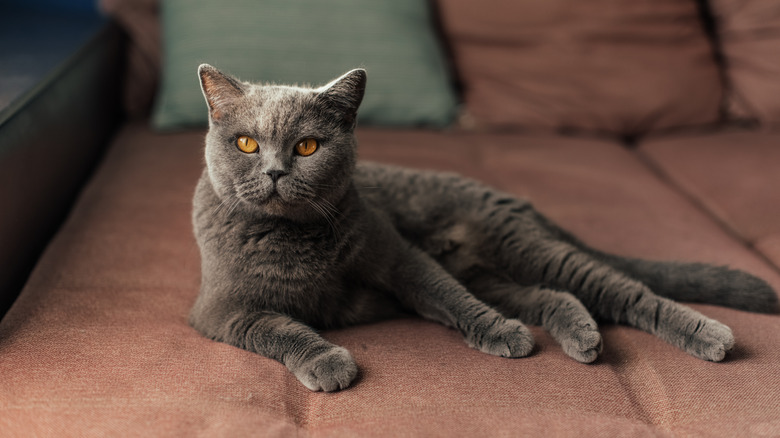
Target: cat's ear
[(346, 92), (219, 89)]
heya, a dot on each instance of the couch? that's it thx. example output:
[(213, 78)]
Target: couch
[(648, 129)]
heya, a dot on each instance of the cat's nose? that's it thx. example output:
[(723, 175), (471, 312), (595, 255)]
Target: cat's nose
[(276, 174)]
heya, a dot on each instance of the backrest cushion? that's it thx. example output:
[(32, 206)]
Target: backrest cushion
[(307, 42), (139, 19), (749, 31), (617, 66)]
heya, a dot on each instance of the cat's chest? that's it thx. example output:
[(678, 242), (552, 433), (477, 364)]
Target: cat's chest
[(287, 258)]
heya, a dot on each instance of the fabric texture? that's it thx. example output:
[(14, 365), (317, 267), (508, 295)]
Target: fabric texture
[(610, 66), (307, 42), (734, 175), (749, 33), (98, 343)]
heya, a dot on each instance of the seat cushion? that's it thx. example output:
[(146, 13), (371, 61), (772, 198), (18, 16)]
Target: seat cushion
[(98, 342), (734, 176), (609, 66), (749, 33)]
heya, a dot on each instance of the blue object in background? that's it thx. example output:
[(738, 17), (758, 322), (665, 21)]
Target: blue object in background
[(37, 36), (76, 6)]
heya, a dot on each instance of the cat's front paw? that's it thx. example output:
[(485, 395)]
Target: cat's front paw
[(709, 340), (330, 371), (504, 337)]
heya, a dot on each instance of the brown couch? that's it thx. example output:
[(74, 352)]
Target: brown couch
[(647, 128)]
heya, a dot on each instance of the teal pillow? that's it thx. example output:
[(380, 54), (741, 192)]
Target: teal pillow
[(307, 42)]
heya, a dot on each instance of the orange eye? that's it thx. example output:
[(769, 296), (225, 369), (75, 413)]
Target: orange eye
[(246, 144), (306, 147)]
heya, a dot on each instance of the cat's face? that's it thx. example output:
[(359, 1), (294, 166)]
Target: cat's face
[(277, 150)]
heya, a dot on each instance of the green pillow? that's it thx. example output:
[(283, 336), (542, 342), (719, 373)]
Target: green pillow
[(307, 42)]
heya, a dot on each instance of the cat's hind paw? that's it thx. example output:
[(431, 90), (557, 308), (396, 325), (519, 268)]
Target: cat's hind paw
[(505, 338), (709, 340), (582, 344), (330, 371)]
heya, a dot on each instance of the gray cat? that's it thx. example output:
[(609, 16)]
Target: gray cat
[(296, 236)]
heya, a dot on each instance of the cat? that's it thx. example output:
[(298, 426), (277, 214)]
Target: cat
[(295, 235)]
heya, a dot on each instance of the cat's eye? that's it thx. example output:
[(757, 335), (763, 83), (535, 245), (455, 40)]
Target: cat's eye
[(306, 147), (246, 144)]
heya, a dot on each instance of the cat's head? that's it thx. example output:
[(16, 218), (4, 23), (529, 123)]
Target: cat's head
[(279, 150)]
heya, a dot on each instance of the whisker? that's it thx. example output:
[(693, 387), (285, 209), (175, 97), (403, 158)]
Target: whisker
[(332, 208), (236, 202), (327, 216), (224, 205), (335, 211), (323, 185)]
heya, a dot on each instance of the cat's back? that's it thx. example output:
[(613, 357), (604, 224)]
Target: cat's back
[(395, 186), (418, 199)]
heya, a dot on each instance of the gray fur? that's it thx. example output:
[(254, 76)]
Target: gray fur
[(333, 243)]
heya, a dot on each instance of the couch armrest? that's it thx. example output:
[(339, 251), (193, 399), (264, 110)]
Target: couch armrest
[(58, 108)]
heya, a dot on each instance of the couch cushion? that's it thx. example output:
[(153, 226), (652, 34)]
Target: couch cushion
[(98, 342), (307, 42), (610, 66), (749, 31), (732, 175)]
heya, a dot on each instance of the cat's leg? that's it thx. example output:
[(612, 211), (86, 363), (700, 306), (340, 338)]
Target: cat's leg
[(560, 313), (318, 364), (423, 285), (511, 219), (611, 295)]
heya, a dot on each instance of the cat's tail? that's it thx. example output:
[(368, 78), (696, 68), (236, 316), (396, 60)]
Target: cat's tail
[(699, 283), (692, 282)]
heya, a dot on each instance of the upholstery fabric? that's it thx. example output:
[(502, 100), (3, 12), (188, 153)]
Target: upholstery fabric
[(98, 343), (139, 19), (610, 66), (749, 32), (734, 175), (307, 42)]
